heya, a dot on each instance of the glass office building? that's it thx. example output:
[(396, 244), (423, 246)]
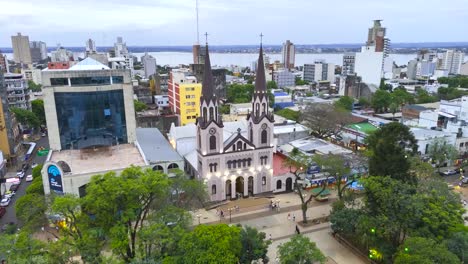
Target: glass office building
[(91, 119)]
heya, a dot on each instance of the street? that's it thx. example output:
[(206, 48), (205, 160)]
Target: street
[(10, 215)]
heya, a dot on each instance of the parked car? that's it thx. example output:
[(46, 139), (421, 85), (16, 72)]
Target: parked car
[(2, 211), (5, 201), (448, 172), (34, 165), (20, 173), (14, 187), (9, 194), (43, 135), (29, 178)]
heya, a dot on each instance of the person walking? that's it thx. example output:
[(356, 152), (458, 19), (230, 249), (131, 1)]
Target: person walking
[(289, 216), (297, 230), (294, 218)]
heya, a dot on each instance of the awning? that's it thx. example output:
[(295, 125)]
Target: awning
[(446, 114)]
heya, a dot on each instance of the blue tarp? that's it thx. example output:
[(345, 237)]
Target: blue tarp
[(283, 105)]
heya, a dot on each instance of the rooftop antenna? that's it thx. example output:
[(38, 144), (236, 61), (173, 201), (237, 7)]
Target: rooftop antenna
[(206, 38), (198, 34)]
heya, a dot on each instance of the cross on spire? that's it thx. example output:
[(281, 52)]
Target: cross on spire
[(261, 38), (206, 38)]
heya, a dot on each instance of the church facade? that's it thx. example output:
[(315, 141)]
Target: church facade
[(240, 164)]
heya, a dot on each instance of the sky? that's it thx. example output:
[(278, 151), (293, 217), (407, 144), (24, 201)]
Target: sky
[(230, 22)]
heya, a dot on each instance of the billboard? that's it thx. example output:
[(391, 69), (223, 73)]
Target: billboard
[(55, 178)]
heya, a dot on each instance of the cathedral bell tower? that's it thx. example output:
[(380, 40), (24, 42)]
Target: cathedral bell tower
[(209, 123), (260, 118)]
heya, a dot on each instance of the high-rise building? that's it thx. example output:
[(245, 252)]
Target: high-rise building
[(122, 56), (284, 78), (18, 93), (120, 48), (349, 61), (21, 51), (38, 51), (376, 36), (149, 64), (10, 136), (319, 71), (88, 105), (452, 61), (3, 63), (288, 54), (90, 46), (184, 95)]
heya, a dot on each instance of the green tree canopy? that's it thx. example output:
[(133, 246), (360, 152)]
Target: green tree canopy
[(300, 250), (419, 250), (26, 117), (139, 106), (458, 245), (37, 107), (272, 85), (254, 245), (441, 151), (455, 81), (389, 150), (345, 102), (381, 101), (239, 93), (34, 87), (289, 114)]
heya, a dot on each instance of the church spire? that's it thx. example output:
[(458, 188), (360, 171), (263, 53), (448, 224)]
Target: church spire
[(208, 92), (260, 81)]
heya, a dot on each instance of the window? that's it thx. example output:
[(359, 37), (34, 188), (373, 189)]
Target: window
[(58, 81), (117, 79), (461, 145), (211, 113), (229, 163), (212, 142), (213, 167), (93, 80), (263, 160), (187, 97), (263, 180), (233, 147), (249, 160), (239, 163), (204, 113), (251, 134), (264, 137), (239, 145), (213, 189), (263, 108), (234, 164), (278, 184)]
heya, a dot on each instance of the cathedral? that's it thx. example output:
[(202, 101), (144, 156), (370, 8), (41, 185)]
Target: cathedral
[(235, 165)]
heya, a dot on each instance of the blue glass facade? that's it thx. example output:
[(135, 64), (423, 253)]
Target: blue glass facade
[(88, 119)]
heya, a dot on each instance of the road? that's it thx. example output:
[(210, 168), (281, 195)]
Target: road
[(10, 215)]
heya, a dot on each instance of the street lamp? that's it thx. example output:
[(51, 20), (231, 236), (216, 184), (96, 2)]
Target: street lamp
[(230, 212), (278, 205), (198, 216)]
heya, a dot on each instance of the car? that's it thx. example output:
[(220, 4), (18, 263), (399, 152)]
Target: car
[(2, 211), (448, 172), (14, 187), (5, 201), (34, 165), (9, 194), (20, 173), (43, 135), (29, 178)]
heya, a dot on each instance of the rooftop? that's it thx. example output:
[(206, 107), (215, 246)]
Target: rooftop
[(313, 145), (88, 64), (99, 160), (155, 146)]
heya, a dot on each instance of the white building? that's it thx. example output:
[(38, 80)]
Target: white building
[(319, 71), (425, 69), (426, 137), (464, 69), (61, 54), (149, 64), (18, 94), (122, 55), (371, 65), (349, 60), (34, 75), (284, 78), (162, 101), (452, 61)]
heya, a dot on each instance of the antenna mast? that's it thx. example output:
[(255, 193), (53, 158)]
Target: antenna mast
[(198, 35)]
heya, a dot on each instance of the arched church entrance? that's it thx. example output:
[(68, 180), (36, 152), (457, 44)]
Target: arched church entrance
[(239, 187)]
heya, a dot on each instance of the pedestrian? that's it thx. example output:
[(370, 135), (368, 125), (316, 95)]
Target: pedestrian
[(42, 228), (464, 202), (271, 205), (289, 216), (270, 237), (222, 214), (294, 218), (217, 211), (297, 230)]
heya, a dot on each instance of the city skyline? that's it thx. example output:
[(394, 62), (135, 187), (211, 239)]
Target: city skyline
[(143, 22)]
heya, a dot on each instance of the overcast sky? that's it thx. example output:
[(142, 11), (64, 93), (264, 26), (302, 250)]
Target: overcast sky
[(172, 22)]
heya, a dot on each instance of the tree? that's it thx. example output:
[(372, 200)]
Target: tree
[(298, 164), (34, 87), (335, 166), (210, 244), (389, 150), (239, 93), (225, 109), (383, 86), (300, 250), (26, 117), (121, 204), (364, 102), (324, 120), (37, 107), (272, 85), (458, 244), (419, 250), (187, 193), (401, 96), (289, 114), (450, 93), (441, 152), (345, 220), (381, 101), (456, 81), (423, 97), (140, 106), (345, 102), (30, 209), (299, 81), (254, 245)]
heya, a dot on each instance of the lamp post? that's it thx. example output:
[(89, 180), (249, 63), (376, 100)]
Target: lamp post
[(278, 205), (230, 213), (198, 216)]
